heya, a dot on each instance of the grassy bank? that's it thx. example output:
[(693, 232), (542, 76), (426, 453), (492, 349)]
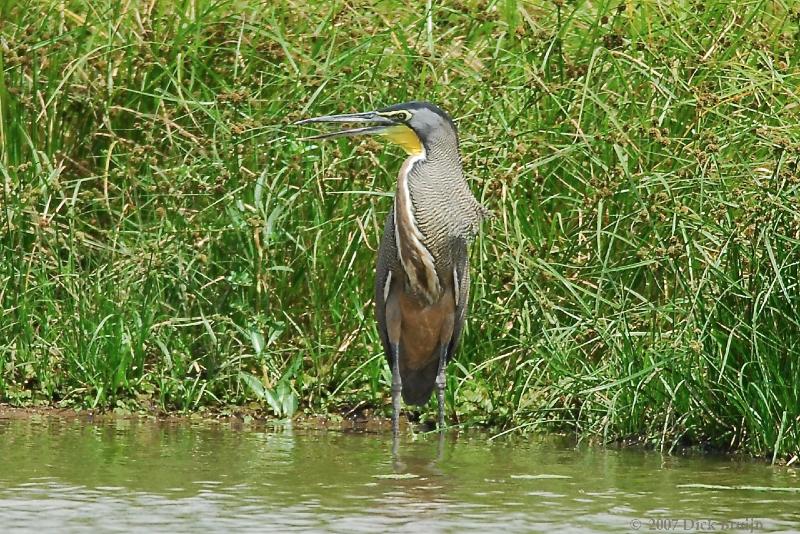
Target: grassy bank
[(166, 240)]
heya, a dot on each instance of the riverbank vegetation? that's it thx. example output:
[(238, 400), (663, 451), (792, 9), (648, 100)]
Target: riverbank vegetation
[(168, 242)]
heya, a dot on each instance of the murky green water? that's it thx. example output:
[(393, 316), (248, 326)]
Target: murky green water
[(62, 476)]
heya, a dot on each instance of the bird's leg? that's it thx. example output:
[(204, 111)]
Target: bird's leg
[(397, 388), (440, 383)]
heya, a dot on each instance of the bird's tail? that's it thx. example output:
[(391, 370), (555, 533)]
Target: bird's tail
[(418, 383)]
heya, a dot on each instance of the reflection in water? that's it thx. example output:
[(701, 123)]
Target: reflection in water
[(128, 475), (419, 454)]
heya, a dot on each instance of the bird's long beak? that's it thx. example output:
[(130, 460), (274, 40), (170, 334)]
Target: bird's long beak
[(378, 124)]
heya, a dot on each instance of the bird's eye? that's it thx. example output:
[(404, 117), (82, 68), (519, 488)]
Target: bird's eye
[(400, 114)]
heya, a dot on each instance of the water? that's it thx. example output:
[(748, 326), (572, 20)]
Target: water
[(72, 476)]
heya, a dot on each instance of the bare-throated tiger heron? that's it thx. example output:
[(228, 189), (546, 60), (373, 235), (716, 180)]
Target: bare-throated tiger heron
[(422, 277)]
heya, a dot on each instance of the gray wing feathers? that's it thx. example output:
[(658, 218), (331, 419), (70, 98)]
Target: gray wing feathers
[(387, 257), (462, 269)]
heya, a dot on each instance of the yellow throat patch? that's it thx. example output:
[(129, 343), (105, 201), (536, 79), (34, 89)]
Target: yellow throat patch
[(405, 137)]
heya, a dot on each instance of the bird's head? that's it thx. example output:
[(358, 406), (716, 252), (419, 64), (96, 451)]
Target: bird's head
[(412, 125)]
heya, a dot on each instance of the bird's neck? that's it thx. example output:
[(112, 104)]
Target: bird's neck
[(415, 258), (443, 205)]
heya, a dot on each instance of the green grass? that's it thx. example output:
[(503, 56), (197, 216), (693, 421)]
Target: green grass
[(168, 241)]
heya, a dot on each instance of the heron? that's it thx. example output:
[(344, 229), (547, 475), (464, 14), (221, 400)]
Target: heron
[(422, 273)]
